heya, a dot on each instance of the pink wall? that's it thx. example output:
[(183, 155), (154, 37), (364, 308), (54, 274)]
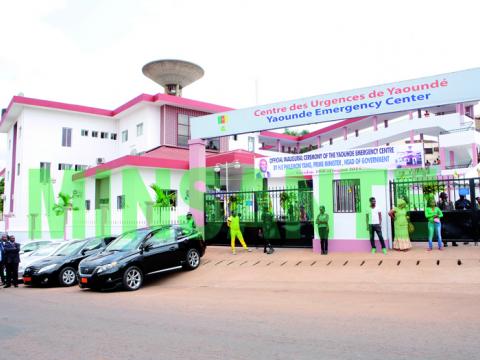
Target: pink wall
[(169, 122)]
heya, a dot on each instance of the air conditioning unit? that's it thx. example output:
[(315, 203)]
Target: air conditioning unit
[(100, 161)]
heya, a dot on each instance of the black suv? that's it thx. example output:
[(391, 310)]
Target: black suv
[(61, 267), (141, 252)]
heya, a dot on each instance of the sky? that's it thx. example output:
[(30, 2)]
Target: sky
[(91, 52)]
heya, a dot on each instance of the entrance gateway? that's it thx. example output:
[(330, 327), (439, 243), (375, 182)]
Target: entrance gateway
[(343, 176)]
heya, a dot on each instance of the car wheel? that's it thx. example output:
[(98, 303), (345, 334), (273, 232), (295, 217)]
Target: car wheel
[(192, 260), (132, 278), (67, 276)]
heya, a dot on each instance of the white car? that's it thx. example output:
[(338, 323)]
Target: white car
[(27, 248), (29, 258)]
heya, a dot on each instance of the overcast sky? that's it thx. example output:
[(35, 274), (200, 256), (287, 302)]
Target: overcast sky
[(91, 52)]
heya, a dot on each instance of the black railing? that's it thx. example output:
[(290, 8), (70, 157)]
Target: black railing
[(291, 211), (456, 197)]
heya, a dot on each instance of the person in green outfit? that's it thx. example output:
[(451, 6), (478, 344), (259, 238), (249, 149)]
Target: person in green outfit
[(322, 225), (399, 214), (433, 215), (233, 222), (190, 226)]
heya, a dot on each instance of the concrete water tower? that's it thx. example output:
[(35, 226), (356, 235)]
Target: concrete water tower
[(172, 75)]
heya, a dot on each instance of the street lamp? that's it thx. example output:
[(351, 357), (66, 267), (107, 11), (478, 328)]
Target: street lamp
[(226, 166)]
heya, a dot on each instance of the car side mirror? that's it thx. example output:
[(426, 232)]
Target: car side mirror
[(86, 251), (146, 246)]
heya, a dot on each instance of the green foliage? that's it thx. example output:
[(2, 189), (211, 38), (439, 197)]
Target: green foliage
[(163, 198), (234, 202), (295, 133), (430, 189), (64, 204)]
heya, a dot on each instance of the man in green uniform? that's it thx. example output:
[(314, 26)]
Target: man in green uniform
[(233, 222), (190, 226)]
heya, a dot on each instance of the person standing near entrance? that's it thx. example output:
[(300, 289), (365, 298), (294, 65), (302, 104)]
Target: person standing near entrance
[(233, 222), (189, 227), (374, 225), (12, 259), (433, 215), (399, 214), (322, 226), (3, 240), (445, 205), (267, 230)]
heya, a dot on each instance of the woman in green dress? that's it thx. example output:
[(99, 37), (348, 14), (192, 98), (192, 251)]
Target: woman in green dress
[(400, 218)]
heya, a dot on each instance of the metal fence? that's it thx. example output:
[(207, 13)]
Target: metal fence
[(295, 204), (455, 196), (291, 209), (417, 192)]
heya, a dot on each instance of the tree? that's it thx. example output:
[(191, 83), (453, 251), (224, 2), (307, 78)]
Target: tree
[(295, 133), (163, 198), (290, 132), (65, 204)]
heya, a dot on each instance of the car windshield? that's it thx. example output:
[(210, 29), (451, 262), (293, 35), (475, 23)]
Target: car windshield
[(69, 249), (128, 241), (46, 250)]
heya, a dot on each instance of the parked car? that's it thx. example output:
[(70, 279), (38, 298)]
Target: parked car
[(29, 258), (135, 254), (27, 248), (61, 267)]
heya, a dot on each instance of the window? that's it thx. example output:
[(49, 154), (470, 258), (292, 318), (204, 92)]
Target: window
[(428, 151), (18, 169), (67, 137), (104, 135), (162, 237), (331, 141), (113, 136), (140, 129), (235, 137), (356, 133), (87, 204), (94, 133), (386, 123), (44, 172), (94, 244), (346, 196), (62, 166), (283, 148), (121, 202), (251, 144), (183, 130), (84, 132), (124, 135), (213, 144), (80, 167)]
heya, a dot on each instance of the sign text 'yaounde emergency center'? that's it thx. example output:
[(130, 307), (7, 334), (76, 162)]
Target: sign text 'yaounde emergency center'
[(457, 87), (314, 162)]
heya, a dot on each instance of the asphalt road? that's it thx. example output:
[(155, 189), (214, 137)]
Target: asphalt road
[(228, 310)]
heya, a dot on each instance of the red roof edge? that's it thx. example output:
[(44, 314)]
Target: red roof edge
[(312, 134), (169, 99)]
